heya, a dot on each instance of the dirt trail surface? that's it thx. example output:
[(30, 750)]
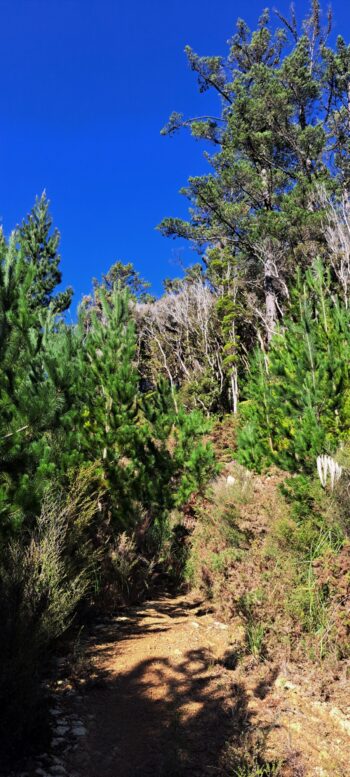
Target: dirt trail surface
[(154, 701), (160, 690)]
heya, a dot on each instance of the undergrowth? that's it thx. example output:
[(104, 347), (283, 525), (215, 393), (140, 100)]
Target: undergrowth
[(41, 585), (272, 551)]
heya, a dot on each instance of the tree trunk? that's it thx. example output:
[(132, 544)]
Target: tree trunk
[(270, 299), (234, 390)]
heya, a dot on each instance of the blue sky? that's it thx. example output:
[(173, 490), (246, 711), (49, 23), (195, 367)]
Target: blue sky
[(85, 87)]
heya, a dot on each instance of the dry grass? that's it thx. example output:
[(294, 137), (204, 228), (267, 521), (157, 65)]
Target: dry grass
[(41, 584)]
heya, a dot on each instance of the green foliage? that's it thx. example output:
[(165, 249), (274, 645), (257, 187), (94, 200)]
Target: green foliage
[(282, 116), (122, 277), (193, 460), (296, 406), (309, 535), (39, 248), (72, 401), (258, 769), (255, 633), (308, 605), (72, 395), (248, 606), (29, 404), (149, 457)]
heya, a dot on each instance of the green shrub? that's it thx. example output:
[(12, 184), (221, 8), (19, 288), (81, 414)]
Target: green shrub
[(307, 537), (255, 634), (258, 769)]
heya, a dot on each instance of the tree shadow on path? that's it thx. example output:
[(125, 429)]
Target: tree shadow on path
[(160, 716)]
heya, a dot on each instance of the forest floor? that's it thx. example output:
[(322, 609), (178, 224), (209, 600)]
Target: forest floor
[(156, 690)]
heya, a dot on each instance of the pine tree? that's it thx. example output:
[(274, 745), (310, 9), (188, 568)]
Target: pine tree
[(148, 456), (28, 402), (297, 405), (254, 217), (121, 276), (39, 247)]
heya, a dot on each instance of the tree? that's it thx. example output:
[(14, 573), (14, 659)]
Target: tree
[(29, 405), (297, 397), (39, 247), (124, 276), (253, 216), (134, 437), (179, 337), (120, 276), (337, 78)]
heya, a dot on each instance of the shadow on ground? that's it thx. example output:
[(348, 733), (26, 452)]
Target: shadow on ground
[(164, 715)]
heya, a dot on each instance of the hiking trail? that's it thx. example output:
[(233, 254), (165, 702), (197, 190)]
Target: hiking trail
[(158, 692)]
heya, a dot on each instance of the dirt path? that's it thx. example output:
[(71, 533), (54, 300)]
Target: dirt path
[(154, 701), (158, 692)]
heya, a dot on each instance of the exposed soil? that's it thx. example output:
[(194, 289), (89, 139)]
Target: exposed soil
[(159, 691), (154, 701)]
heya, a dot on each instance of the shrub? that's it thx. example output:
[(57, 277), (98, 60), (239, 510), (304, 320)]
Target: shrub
[(255, 633), (129, 572), (217, 540), (258, 769), (41, 582), (312, 538)]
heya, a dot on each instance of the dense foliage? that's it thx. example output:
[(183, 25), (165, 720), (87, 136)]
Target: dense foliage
[(278, 156), (298, 393), (75, 419), (104, 423)]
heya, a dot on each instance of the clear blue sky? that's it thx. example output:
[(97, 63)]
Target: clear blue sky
[(86, 86)]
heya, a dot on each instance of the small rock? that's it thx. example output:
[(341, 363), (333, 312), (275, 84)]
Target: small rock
[(343, 723), (79, 731), (56, 741), (285, 684), (61, 730)]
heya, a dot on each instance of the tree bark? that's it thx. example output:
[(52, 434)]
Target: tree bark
[(270, 299)]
